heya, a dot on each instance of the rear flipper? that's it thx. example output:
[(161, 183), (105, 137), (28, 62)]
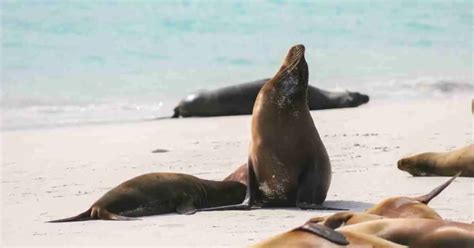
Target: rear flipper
[(94, 213), (80, 217), (428, 197)]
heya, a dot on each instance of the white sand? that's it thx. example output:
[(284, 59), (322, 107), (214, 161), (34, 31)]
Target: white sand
[(55, 173)]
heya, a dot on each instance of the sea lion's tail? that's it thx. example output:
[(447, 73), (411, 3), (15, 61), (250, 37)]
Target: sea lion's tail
[(80, 217), (428, 197)]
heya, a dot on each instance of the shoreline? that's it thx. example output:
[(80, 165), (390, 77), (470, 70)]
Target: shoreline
[(138, 120), (59, 172)]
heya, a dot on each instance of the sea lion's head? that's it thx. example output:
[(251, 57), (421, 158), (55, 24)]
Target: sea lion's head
[(295, 66), (358, 98), (418, 165), (352, 99)]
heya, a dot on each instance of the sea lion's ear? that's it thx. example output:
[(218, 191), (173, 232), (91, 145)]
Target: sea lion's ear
[(324, 232), (186, 208)]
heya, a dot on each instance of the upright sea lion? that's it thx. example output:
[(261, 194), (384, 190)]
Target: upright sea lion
[(440, 163), (288, 164), (159, 193), (239, 100)]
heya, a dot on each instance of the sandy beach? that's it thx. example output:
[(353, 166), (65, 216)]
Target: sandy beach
[(59, 172)]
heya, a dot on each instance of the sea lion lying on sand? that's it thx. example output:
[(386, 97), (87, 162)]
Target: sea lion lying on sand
[(160, 193), (313, 235), (440, 163), (239, 100), (376, 231), (393, 207)]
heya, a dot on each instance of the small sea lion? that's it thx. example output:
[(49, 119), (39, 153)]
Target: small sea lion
[(239, 100), (160, 193), (440, 163)]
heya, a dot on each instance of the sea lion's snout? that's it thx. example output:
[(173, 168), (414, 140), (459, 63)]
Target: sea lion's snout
[(401, 164), (295, 54), (297, 50), (357, 99), (364, 98)]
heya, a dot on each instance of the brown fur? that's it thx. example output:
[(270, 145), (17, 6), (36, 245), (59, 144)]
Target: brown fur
[(159, 193), (288, 164), (440, 163), (416, 232), (287, 156)]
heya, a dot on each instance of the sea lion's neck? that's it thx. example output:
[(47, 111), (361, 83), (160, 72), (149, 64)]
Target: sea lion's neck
[(222, 193)]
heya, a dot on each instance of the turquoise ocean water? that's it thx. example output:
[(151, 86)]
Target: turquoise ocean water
[(67, 63)]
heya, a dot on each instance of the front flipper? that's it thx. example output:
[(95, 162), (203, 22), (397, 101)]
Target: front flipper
[(245, 205), (312, 190), (103, 214), (314, 206), (186, 208), (324, 232)]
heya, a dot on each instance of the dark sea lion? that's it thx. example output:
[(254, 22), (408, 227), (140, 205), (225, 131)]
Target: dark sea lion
[(440, 163), (159, 193), (239, 100), (288, 164)]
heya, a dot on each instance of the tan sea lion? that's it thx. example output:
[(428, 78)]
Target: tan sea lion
[(412, 232), (288, 164), (417, 232), (410, 207), (312, 235), (159, 193), (393, 207), (440, 163)]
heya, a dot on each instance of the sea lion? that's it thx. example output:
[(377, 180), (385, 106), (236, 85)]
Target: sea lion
[(316, 235), (288, 164), (393, 207), (440, 163), (417, 232), (239, 100), (412, 232), (410, 207), (159, 193)]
